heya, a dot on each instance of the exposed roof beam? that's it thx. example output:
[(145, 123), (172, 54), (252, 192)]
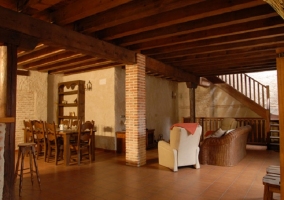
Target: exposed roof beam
[(23, 41), (52, 34), (155, 66), (94, 68), (234, 29), (221, 47), (135, 9), (67, 63), (63, 56), (221, 21), (83, 9)]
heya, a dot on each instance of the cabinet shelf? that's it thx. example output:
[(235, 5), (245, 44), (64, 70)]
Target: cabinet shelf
[(68, 92), (68, 105), (74, 90)]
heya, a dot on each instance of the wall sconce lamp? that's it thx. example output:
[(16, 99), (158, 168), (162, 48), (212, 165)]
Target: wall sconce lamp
[(88, 86)]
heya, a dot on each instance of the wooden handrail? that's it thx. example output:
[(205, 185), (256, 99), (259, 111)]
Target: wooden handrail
[(7, 119), (249, 87), (258, 135)]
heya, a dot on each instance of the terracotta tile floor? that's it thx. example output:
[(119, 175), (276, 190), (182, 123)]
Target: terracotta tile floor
[(108, 178)]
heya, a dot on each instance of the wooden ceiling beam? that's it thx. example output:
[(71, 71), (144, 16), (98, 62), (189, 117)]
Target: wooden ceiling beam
[(212, 22), (37, 48), (67, 63), (242, 69), (227, 45), (81, 66), (135, 9), (33, 6), (22, 41), (234, 29), (221, 53), (83, 8), (245, 39), (142, 33), (226, 66), (167, 70), (55, 35), (229, 57), (109, 65), (64, 56), (37, 55)]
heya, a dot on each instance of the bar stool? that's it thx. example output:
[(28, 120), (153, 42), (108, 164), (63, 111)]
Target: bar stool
[(24, 149)]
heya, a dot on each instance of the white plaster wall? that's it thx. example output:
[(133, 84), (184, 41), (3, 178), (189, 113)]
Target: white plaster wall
[(100, 104), (161, 106), (2, 139), (269, 78), (52, 94), (31, 101)]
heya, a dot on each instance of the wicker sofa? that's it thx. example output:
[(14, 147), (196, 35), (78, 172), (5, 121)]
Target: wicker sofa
[(227, 150)]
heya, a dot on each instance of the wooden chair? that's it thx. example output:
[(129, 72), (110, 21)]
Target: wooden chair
[(271, 182), (29, 132), (84, 141), (40, 141), (54, 142)]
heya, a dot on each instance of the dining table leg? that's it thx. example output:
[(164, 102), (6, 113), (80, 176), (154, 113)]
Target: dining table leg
[(66, 138)]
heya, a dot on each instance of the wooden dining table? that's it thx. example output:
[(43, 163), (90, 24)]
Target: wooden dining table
[(66, 133)]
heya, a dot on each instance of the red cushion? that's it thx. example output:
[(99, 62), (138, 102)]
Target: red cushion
[(209, 133)]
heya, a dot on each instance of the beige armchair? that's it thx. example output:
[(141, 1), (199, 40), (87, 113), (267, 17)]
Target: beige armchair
[(183, 149)]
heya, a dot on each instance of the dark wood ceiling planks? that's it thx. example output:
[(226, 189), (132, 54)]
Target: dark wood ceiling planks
[(181, 39)]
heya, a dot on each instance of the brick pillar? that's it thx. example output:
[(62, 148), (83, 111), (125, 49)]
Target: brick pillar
[(135, 97)]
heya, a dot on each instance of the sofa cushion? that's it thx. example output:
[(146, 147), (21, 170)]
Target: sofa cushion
[(218, 133), (228, 131)]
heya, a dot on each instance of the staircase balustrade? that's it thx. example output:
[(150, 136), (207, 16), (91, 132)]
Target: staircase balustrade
[(249, 87), (257, 136)]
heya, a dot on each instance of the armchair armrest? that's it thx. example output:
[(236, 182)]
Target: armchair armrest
[(167, 155)]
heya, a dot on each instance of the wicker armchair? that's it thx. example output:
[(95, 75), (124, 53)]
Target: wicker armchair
[(227, 150)]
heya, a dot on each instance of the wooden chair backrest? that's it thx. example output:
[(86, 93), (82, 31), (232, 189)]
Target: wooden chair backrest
[(29, 131), (50, 131), (85, 131), (39, 130), (74, 123)]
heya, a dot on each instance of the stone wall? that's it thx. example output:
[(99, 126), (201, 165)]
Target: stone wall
[(214, 102), (161, 105), (31, 101)]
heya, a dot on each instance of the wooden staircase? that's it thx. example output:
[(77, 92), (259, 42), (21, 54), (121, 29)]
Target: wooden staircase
[(249, 92)]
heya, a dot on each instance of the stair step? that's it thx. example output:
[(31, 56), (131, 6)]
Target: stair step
[(274, 131), (274, 125), (274, 137), (276, 144)]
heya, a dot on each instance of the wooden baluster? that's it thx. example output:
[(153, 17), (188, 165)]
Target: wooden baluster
[(258, 95)]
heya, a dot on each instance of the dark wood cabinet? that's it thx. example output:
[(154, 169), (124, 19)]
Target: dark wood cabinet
[(150, 138), (71, 100), (120, 140)]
